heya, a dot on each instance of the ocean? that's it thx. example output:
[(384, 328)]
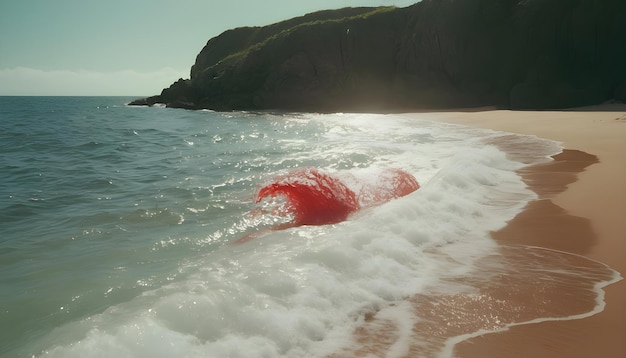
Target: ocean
[(121, 233)]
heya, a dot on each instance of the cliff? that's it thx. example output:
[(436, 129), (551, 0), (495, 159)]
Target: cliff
[(519, 54)]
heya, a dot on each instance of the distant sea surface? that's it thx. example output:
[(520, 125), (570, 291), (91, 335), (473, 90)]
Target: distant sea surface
[(117, 226)]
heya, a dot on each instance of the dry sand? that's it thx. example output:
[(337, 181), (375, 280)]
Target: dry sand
[(583, 199)]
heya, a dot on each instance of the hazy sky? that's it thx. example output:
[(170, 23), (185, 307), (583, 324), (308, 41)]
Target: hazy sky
[(124, 47)]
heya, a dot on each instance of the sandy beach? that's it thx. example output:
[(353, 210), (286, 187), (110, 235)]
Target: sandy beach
[(583, 199), (575, 225)]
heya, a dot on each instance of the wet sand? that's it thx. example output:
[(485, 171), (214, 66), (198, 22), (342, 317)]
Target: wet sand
[(582, 210)]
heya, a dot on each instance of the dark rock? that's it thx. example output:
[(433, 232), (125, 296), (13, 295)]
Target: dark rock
[(435, 54), (149, 101), (619, 93)]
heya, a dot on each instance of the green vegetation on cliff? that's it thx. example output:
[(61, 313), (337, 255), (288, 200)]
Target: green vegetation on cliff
[(234, 58)]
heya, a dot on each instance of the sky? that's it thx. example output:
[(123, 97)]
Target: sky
[(124, 47)]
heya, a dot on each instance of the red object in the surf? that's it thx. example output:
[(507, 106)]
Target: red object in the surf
[(403, 183), (317, 198), (390, 184)]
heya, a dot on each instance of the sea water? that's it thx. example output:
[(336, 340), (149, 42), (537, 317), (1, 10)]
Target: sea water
[(119, 231)]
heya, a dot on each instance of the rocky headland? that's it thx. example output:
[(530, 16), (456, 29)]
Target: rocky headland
[(435, 54)]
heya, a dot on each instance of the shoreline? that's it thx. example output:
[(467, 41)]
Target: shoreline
[(581, 198)]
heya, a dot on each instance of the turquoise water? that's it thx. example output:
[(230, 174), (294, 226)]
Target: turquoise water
[(116, 226), (93, 193)]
